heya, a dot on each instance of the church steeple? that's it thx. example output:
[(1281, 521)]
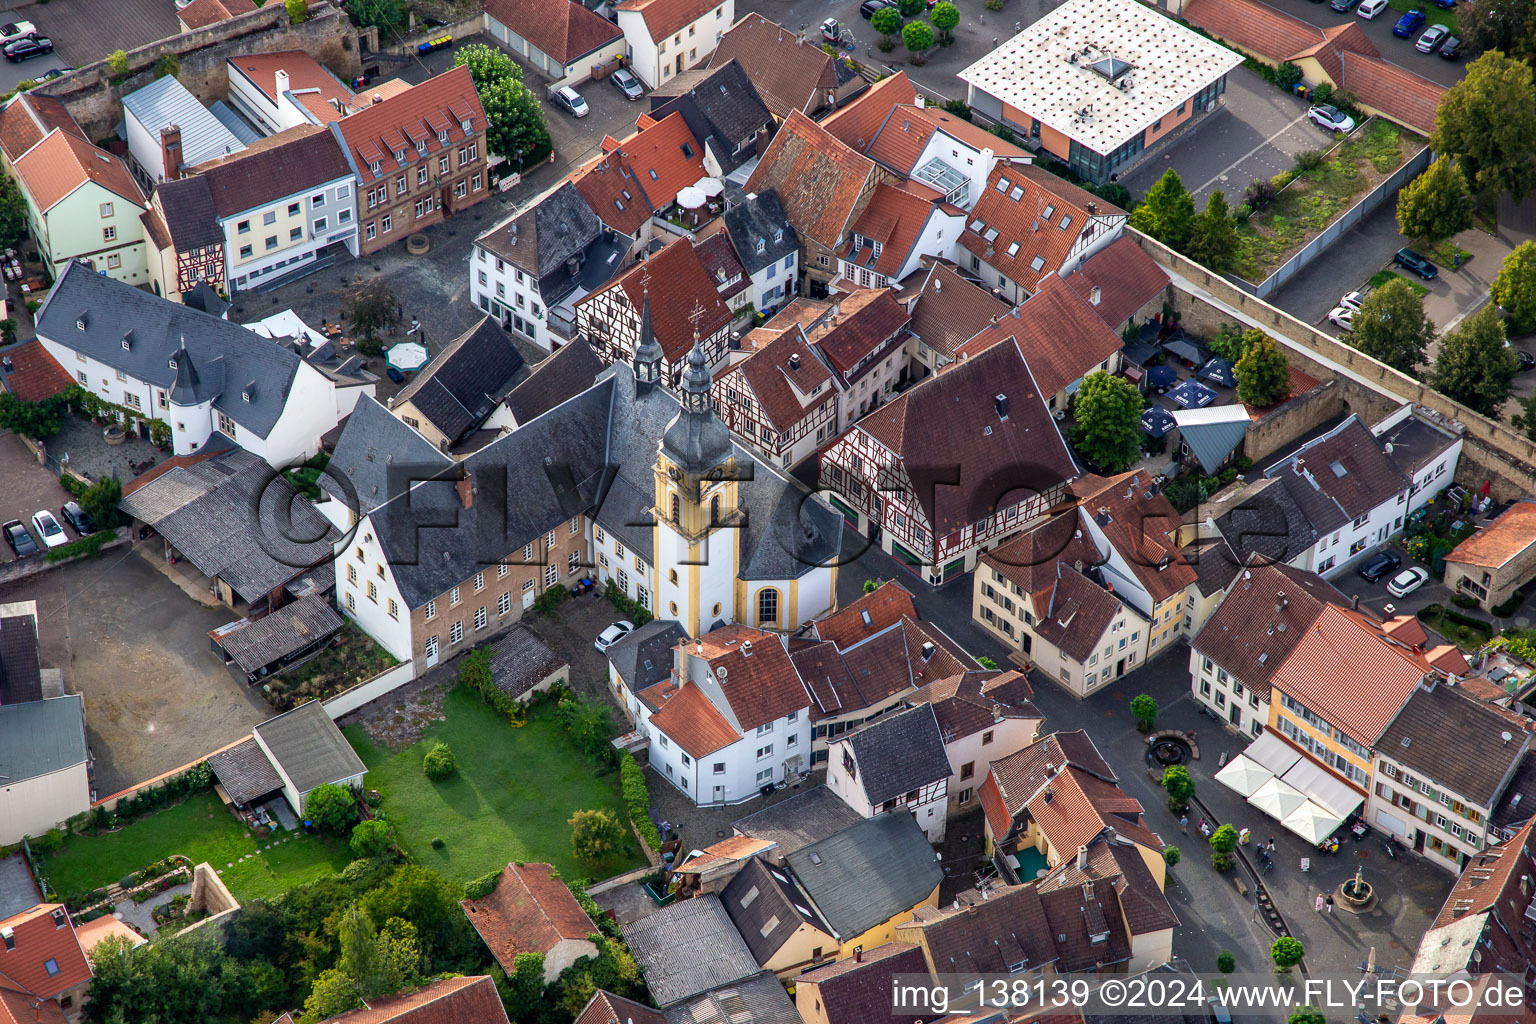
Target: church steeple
[(696, 440), (648, 354)]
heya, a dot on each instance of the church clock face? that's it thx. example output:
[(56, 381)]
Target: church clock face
[(673, 472)]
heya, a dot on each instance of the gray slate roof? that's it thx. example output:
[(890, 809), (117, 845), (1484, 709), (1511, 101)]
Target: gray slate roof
[(899, 753), (1455, 741), (225, 357), (556, 228), (166, 101), (377, 456), (457, 390), (803, 819), (644, 656), (721, 108), (866, 874), (566, 373), (244, 772), (21, 677), (38, 737), (286, 631), (1263, 519), (308, 747), (755, 221), (1340, 476), (208, 511), (687, 949), (519, 659), (759, 1000), (766, 908), (187, 205)]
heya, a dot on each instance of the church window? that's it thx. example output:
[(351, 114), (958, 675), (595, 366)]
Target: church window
[(677, 509), (767, 606), (672, 576), (714, 510)]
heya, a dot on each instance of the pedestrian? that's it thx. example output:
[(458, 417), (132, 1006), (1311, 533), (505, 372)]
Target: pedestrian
[(1318, 904), (1184, 824), (994, 42), (1328, 901), (1271, 844), (1017, 28)]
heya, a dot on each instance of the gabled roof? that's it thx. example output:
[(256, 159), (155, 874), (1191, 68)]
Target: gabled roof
[(317, 90), (471, 1000), (40, 737), (767, 909), (27, 118), (952, 417), (1501, 540), (189, 214), (1074, 612), (401, 120), (894, 218), (689, 718), (1125, 278), (868, 873), (1213, 433), (898, 752), (784, 375), (1394, 90), (1024, 773), (1340, 476), (1141, 525), (21, 1007), (722, 107), (557, 227), (902, 656), (907, 129), (687, 949), (1481, 926), (529, 911), (760, 230), (1061, 336), (819, 180), (644, 655), (563, 374), (378, 455), (567, 32), (1030, 559), (641, 173), (463, 383), (664, 18), (1456, 741), (43, 956), (719, 260), (35, 374), (805, 818), (308, 748), (680, 282), (165, 102), (295, 160), (858, 122), (867, 615), (51, 170), (1026, 221), (1256, 27), (1266, 611), (789, 72), (762, 684), (1119, 862), (607, 1008), (859, 326), (950, 309), (202, 13), (858, 991), (1263, 519), (974, 702)]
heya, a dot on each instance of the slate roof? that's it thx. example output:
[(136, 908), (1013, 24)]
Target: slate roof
[(374, 445), (1340, 476), (206, 510), (758, 1000), (471, 1000), (898, 753), (463, 383), (1263, 519), (529, 911), (557, 227), (606, 1008), (859, 991), (766, 908), (520, 660), (819, 180), (295, 160), (561, 376), (1254, 629), (566, 32), (1518, 803), (21, 677), (1454, 740), (224, 356), (245, 772), (165, 101), (402, 119), (54, 168), (1126, 277), (755, 222), (722, 108), (947, 418), (687, 949), (790, 74), (291, 628), (951, 310), (868, 873), (1061, 335), (644, 656), (805, 818), (308, 747), (38, 737), (190, 216)]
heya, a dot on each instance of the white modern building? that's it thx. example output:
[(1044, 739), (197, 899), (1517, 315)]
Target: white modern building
[(169, 130), (285, 89)]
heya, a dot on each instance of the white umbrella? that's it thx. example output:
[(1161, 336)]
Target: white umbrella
[(408, 355), (1311, 822), (1277, 799), (691, 198), (1244, 776), (710, 186)]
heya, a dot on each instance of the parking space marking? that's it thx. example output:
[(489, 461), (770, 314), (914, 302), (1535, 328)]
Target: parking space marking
[(1228, 169)]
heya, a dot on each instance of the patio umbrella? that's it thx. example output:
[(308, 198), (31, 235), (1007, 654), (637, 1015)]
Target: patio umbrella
[(1311, 822), (711, 187), (691, 198), (1192, 395), (1156, 422), (408, 355), (1277, 799), (1244, 775), (1162, 376), (1219, 371)]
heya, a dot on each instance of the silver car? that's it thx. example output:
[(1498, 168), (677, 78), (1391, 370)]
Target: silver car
[(571, 100), (627, 84)]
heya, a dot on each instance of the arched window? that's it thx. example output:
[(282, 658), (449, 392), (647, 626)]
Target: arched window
[(677, 509), (672, 576), (717, 609), (672, 608), (767, 606), (714, 510)]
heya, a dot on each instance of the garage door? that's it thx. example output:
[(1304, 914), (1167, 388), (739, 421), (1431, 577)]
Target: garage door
[(1391, 822)]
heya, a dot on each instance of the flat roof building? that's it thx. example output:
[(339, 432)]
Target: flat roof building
[(1096, 82)]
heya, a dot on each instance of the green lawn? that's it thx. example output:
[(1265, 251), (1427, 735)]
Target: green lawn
[(1381, 277), (510, 801), (1433, 14), (203, 830)]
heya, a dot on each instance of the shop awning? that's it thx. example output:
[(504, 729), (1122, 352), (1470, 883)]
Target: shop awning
[(1298, 792), (1244, 775)]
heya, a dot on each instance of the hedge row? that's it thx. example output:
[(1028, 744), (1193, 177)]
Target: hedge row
[(637, 799)]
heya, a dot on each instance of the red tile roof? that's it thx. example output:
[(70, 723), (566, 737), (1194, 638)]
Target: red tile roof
[(1301, 382), (950, 309), (21, 1007), (1076, 807), (26, 119), (607, 1008), (885, 606), (719, 259), (867, 321), (1337, 39), (900, 140), (895, 218), (1142, 530), (1029, 560), (47, 959), (470, 1000), (761, 684), (819, 180), (1027, 221), (35, 374), (1398, 93), (689, 717), (202, 13), (1059, 332), (857, 123), (785, 392), (1126, 279), (844, 679), (441, 103), (1256, 27), (565, 33), (1507, 536), (62, 162), (306, 76), (641, 173), (530, 911), (789, 73), (665, 18), (681, 282)]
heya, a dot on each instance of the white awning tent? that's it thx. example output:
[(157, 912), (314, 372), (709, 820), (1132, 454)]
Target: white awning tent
[(1278, 799), (1276, 755), (1244, 775), (1296, 791), (1311, 822)]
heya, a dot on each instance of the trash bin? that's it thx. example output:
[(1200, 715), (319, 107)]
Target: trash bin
[(1302, 90)]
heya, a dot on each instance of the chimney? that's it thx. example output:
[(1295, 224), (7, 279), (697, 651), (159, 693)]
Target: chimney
[(1048, 794), (9, 936), (170, 152), (466, 486), (858, 954), (1280, 601), (794, 360), (1082, 858), (746, 648), (377, 98), (280, 83), (1095, 295), (1000, 403)]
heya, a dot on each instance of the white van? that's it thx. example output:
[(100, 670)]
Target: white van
[(1370, 8)]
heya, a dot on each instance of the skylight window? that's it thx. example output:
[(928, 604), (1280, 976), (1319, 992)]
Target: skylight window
[(1066, 221), (1050, 211), (1037, 263), (1017, 193), (1013, 250), (1003, 184)]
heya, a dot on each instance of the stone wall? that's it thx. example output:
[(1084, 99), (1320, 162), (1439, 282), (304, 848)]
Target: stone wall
[(209, 894), (1280, 427), (96, 100)]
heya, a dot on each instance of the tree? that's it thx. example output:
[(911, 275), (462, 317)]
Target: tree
[(1487, 121), (1108, 413), (910, 8), (516, 122), (169, 65), (1224, 839), (525, 985), (1263, 372), (945, 17), (1226, 962), (117, 62), (1213, 241), (1525, 419), (1172, 856), (1287, 75), (1114, 193), (1167, 212), (100, 502), (1493, 24), (589, 726), (439, 764), (1391, 326), (1306, 1015), (887, 22), (487, 65), (918, 36), (1144, 707), (381, 14), (331, 807), (181, 978), (421, 896), (38, 420), (1286, 952), (594, 834), (1514, 289), (370, 309), (1474, 365), (298, 11), (332, 994), (1437, 204), (1179, 786), (13, 212), (371, 838)]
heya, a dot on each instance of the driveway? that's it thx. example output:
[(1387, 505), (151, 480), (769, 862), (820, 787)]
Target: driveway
[(1379, 31), (83, 33), (1256, 134), (136, 647), (28, 488)]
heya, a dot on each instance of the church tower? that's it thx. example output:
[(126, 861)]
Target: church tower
[(697, 511), (649, 359)]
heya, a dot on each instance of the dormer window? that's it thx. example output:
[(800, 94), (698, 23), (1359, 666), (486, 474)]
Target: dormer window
[(373, 167), (248, 393), (762, 246), (421, 148), (80, 322), (442, 136), (399, 156), (128, 341), (466, 126), (778, 234), (172, 362)]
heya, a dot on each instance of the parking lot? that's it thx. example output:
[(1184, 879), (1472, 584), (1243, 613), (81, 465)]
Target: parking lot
[(85, 31), (1379, 31), (28, 488)]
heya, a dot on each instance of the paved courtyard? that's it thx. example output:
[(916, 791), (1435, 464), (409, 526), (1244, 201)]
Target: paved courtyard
[(129, 640), (85, 32), (28, 488)]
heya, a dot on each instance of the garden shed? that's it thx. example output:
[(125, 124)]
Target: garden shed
[(292, 754)]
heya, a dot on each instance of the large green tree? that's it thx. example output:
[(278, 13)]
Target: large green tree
[(1213, 241), (331, 807), (887, 22), (487, 65), (1391, 326), (917, 36), (381, 14), (374, 963), (1437, 204), (100, 502), (1474, 366), (1263, 372), (368, 310), (945, 16), (1487, 121), (180, 978), (13, 212), (1108, 414), (1494, 24), (516, 120), (1514, 288), (1167, 212)]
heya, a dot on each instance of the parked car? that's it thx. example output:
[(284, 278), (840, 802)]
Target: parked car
[(1408, 24), (1352, 300), (1342, 5), (1379, 565), (1527, 361), (75, 516), (1430, 41), (1410, 260), (1446, 5), (49, 529), (53, 73), (1342, 318), (14, 30), (1451, 49), (1368, 9), (627, 84), (394, 375), (613, 634), (19, 539), (869, 7), (27, 48), (1407, 581), (571, 100), (1326, 115)]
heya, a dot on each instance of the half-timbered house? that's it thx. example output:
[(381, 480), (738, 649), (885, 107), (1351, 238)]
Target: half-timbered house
[(782, 399), (895, 763)]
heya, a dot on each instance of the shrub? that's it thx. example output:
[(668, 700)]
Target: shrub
[(371, 839), (1322, 92), (1287, 75), (1461, 600), (1002, 131), (1310, 160), (331, 807), (439, 763), (475, 676), (986, 663), (594, 834), (84, 546), (1222, 861), (117, 62), (168, 64), (1171, 855), (480, 888), (298, 11), (637, 801), (959, 108), (994, 5), (1226, 962), (1286, 952), (633, 610), (551, 598), (1259, 193), (1509, 607), (437, 843)]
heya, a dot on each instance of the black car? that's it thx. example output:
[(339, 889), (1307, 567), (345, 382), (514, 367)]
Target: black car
[(1343, 5), (19, 539), (869, 7), (1379, 566), (26, 49), (1527, 361), (1452, 47), (75, 516), (1410, 260)]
